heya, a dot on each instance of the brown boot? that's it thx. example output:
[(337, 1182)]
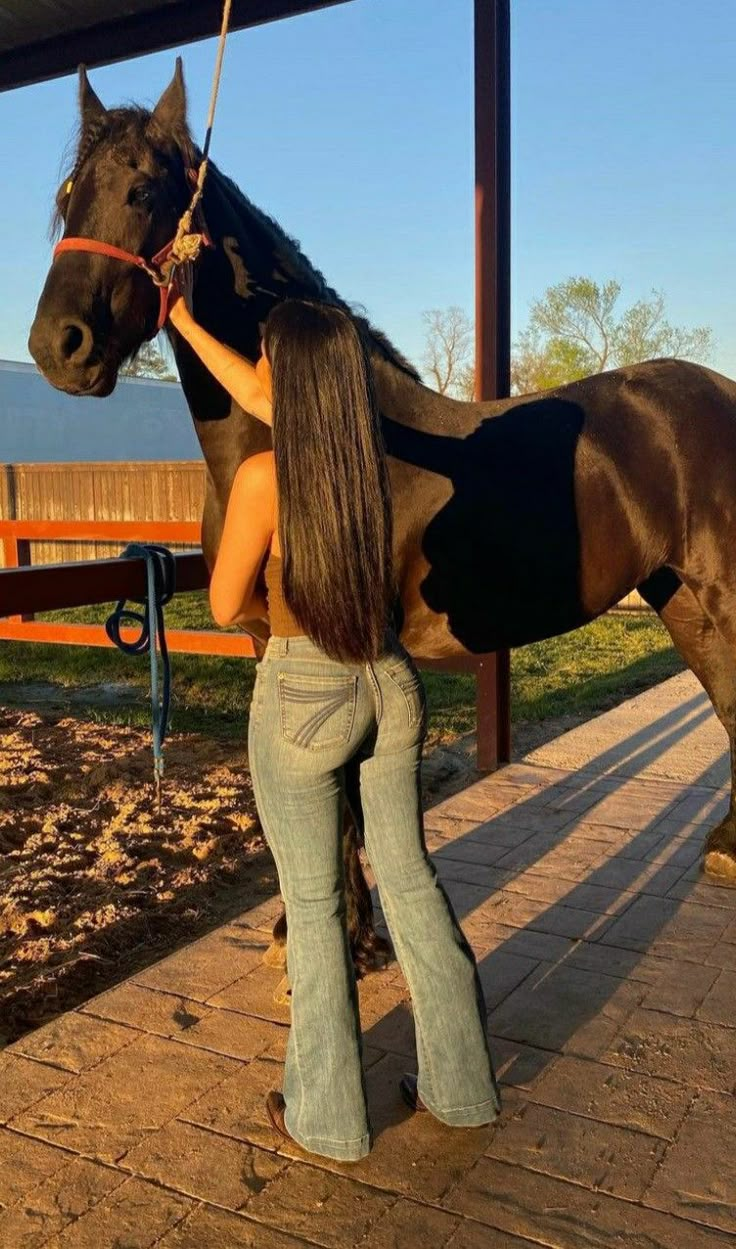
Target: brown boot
[(275, 1109)]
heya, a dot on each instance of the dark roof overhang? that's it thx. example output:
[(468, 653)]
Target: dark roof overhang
[(40, 41)]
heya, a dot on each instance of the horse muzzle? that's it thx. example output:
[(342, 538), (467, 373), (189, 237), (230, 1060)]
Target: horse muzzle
[(67, 355)]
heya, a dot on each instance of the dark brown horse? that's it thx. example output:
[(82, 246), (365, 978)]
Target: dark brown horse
[(515, 520)]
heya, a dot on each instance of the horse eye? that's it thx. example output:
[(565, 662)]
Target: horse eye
[(140, 194)]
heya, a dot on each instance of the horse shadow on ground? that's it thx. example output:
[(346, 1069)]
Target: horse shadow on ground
[(602, 900)]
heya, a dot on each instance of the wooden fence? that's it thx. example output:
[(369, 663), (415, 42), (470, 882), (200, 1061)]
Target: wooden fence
[(25, 589), (123, 491), (155, 490), (80, 582)]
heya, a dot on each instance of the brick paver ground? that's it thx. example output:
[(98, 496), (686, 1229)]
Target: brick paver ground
[(610, 974)]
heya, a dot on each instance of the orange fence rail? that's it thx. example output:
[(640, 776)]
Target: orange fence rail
[(26, 588)]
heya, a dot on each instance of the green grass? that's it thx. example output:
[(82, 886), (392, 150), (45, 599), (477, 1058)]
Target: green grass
[(579, 673), (593, 668), (210, 693)]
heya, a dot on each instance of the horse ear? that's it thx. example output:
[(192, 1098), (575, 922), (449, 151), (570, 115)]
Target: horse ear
[(170, 114), (90, 105)]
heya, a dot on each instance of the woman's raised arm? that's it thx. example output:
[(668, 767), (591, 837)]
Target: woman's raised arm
[(231, 370)]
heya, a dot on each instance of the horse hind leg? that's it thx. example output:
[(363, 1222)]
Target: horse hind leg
[(712, 657), (275, 955)]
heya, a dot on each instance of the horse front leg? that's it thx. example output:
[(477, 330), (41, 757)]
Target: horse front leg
[(719, 859)]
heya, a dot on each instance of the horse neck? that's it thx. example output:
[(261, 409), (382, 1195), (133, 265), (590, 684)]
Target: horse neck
[(230, 301), (253, 265)]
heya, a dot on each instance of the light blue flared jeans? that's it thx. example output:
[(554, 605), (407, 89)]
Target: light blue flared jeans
[(309, 717)]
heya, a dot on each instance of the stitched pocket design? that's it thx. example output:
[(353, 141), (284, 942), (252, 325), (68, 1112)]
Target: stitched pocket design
[(317, 712)]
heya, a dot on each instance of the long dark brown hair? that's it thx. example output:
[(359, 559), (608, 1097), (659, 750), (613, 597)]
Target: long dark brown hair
[(332, 479)]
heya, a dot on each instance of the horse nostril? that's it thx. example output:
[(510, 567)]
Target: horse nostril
[(72, 340), (75, 342)]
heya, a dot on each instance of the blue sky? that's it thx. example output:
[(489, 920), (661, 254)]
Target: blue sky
[(353, 127)]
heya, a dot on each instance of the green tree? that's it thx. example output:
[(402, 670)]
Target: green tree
[(539, 365), (148, 362), (576, 329)]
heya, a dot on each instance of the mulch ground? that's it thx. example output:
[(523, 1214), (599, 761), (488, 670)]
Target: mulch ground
[(93, 881)]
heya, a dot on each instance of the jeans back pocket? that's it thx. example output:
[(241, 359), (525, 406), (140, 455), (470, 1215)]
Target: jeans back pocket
[(405, 676), (317, 711)]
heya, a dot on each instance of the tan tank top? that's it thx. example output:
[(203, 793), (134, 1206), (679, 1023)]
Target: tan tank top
[(283, 623)]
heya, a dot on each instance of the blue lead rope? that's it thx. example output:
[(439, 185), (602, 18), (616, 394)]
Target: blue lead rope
[(161, 584)]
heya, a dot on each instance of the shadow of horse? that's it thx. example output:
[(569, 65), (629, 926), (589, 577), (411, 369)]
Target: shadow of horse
[(583, 924)]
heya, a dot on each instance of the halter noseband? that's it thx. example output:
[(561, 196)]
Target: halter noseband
[(117, 253), (152, 267)]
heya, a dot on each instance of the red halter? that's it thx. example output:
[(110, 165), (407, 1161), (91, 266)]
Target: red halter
[(152, 267), (117, 253)]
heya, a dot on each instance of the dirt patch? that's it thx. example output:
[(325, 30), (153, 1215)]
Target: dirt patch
[(54, 697), (96, 883)]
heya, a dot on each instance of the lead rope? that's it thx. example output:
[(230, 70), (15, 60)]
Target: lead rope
[(160, 587), (187, 244), (160, 564)]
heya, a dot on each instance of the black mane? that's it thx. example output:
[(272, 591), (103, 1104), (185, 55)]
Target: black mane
[(130, 128), (289, 258)]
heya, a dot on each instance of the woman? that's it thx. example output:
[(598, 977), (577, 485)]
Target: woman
[(335, 683)]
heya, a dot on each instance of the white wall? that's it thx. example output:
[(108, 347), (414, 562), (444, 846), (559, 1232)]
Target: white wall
[(140, 420)]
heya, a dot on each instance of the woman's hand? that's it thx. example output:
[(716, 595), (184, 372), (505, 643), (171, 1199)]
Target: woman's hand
[(180, 299)]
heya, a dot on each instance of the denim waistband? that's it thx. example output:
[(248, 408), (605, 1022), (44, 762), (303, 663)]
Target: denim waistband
[(279, 647)]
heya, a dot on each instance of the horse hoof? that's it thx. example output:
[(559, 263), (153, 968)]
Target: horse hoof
[(720, 867), (282, 992), (275, 955)]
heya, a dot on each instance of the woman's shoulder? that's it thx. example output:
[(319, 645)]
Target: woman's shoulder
[(257, 472), (254, 487)]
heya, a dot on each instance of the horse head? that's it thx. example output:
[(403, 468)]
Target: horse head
[(128, 187)]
